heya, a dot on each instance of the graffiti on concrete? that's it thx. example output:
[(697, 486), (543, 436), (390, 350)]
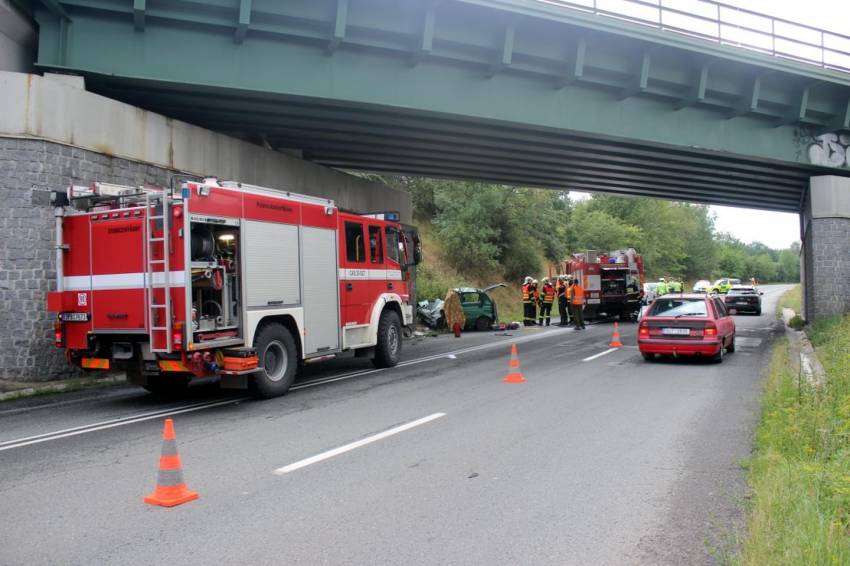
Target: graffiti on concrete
[(830, 150)]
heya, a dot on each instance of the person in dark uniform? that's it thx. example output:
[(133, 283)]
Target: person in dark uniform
[(528, 310), (547, 297), (561, 294)]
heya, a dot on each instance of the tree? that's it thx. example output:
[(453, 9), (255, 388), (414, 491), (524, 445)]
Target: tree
[(598, 230)]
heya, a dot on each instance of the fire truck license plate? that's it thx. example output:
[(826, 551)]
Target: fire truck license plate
[(74, 317), (676, 331)]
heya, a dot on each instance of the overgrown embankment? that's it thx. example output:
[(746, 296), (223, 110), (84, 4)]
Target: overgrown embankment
[(800, 472)]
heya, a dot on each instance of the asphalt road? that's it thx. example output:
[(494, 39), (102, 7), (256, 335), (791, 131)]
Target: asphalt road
[(593, 460)]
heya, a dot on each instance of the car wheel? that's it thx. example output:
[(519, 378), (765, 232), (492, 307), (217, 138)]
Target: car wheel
[(648, 357), (388, 349), (731, 346), (278, 361), (482, 323), (718, 357)]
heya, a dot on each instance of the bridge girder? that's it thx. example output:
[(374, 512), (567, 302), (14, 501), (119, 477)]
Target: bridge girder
[(327, 76)]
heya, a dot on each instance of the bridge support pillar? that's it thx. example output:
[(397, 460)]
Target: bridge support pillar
[(825, 260)]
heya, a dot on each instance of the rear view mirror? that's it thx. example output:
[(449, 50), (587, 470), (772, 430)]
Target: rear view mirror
[(761, 292)]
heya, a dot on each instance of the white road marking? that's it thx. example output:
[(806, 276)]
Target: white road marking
[(132, 419), (56, 435), (600, 354), (357, 444)]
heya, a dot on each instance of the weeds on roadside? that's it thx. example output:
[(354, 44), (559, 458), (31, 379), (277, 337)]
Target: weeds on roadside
[(800, 472)]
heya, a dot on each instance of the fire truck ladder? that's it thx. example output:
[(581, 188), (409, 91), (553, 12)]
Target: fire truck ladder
[(152, 216)]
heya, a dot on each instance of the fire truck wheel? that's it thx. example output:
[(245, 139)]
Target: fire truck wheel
[(388, 349), (278, 361)]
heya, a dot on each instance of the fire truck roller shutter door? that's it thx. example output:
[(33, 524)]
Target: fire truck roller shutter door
[(321, 289), (272, 264)]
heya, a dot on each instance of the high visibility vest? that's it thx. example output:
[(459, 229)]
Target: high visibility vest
[(526, 298), (548, 293), (578, 294)]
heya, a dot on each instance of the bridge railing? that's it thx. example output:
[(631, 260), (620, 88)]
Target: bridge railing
[(728, 25)]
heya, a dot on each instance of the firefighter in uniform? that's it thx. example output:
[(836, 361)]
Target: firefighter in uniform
[(535, 299), (527, 303), (561, 294), (547, 297), (576, 294)]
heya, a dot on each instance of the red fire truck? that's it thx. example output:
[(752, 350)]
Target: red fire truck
[(613, 282), (209, 278)]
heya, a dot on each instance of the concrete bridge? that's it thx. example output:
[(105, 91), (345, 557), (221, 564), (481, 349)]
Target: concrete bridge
[(716, 105)]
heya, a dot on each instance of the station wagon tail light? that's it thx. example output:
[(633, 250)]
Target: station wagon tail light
[(710, 330), (644, 329)]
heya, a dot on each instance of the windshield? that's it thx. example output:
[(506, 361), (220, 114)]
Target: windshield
[(679, 307), (742, 291)]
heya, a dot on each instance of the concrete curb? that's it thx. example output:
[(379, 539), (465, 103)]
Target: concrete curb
[(65, 386), (803, 355)]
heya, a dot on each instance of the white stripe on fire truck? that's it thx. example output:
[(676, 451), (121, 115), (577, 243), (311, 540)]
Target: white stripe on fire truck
[(366, 274), (119, 281)]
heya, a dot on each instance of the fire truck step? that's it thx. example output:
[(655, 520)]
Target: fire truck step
[(156, 239), (159, 328), (155, 306), (157, 261)]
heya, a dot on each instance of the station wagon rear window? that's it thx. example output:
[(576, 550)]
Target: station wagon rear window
[(743, 291), (679, 307)]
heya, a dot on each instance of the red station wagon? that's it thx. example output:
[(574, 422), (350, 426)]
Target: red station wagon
[(686, 325)]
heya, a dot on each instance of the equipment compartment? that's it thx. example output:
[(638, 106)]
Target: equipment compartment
[(216, 278)]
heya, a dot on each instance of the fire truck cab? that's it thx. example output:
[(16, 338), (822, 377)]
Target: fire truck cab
[(613, 282), (210, 278)]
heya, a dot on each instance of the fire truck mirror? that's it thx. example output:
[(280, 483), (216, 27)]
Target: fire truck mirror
[(44, 198)]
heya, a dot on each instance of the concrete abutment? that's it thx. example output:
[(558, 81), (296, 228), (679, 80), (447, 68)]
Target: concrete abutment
[(826, 237)]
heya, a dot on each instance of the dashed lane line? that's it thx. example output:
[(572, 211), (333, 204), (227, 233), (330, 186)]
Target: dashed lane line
[(599, 355), (357, 444)]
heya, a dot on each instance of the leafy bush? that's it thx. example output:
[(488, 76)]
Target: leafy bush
[(797, 322)]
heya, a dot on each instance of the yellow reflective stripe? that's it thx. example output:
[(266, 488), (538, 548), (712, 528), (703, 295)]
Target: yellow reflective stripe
[(172, 365), (95, 363)]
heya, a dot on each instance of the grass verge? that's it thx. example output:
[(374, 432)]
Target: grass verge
[(791, 299), (800, 472)]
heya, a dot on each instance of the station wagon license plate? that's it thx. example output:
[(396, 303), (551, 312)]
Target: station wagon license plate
[(676, 331)]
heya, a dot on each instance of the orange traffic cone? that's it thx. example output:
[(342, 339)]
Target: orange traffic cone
[(615, 339), (514, 374), (170, 489)]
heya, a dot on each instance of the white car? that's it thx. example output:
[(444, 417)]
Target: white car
[(702, 286)]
